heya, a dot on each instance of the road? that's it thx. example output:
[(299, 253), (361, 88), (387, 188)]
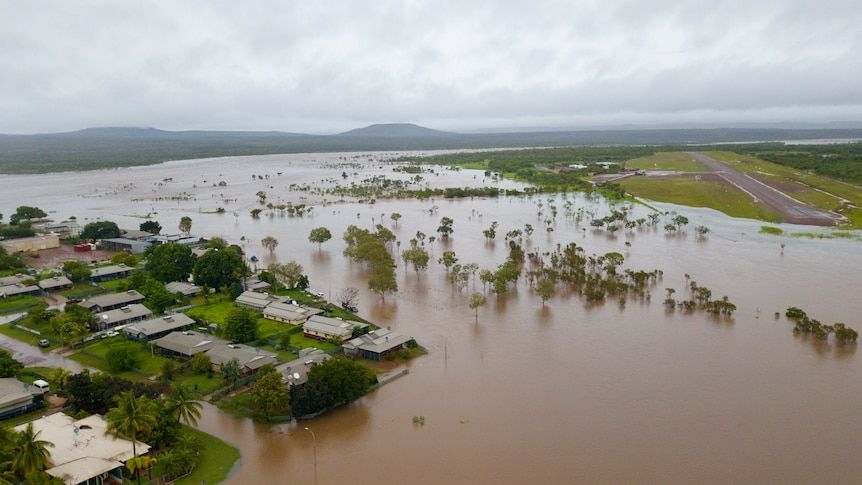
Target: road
[(790, 209)]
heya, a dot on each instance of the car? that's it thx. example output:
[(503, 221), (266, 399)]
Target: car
[(44, 343), (72, 301), (110, 334)]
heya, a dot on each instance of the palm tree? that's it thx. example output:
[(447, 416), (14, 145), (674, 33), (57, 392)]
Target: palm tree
[(185, 407), (31, 453), (133, 415), (60, 377), (172, 463)]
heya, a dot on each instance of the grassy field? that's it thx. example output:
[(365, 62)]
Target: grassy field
[(687, 190), (82, 290), (217, 459), (114, 285), (28, 337), (676, 161), (215, 312), (94, 355), (22, 303), (814, 190)]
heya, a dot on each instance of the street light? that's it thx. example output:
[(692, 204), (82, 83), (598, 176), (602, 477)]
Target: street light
[(314, 443)]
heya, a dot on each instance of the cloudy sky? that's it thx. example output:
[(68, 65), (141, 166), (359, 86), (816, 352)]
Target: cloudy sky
[(325, 66)]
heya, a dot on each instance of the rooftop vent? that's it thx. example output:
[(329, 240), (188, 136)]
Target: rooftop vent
[(126, 309)]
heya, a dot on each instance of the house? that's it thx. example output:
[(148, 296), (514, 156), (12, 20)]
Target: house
[(158, 327), (289, 313), (257, 285), (123, 244), (323, 328), (15, 279), (375, 344), (295, 372), (17, 397), (187, 289), (107, 273), (257, 301), (186, 344), (122, 316), (174, 238), (250, 358), (112, 301), (55, 283), (35, 243), (83, 452), (66, 229), (135, 234), (19, 289)]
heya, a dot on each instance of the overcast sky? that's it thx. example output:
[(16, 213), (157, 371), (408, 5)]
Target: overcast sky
[(325, 66)]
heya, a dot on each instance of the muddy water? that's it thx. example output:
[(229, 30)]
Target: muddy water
[(567, 393)]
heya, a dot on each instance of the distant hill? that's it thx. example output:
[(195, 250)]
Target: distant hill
[(395, 129)]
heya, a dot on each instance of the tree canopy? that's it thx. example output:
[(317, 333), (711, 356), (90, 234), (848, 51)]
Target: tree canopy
[(170, 262), (100, 230)]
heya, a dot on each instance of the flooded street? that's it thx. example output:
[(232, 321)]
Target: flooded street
[(572, 392)]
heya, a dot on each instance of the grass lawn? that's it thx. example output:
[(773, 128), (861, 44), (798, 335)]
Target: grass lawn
[(815, 190), (94, 355), (217, 459), (676, 161), (21, 303), (300, 341), (283, 355), (31, 374), (201, 382), (82, 290), (212, 312), (30, 338), (114, 285), (686, 190)]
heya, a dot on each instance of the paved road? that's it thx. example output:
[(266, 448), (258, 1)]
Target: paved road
[(790, 209)]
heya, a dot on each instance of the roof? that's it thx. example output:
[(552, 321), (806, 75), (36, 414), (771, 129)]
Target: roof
[(135, 234), (188, 343), (296, 371), (17, 289), (14, 279), (12, 391), (289, 311), (257, 299), (332, 326), (113, 299), (257, 285), (123, 314), (109, 270), (54, 282), (182, 287), (159, 324), (251, 357), (81, 449), (377, 341)]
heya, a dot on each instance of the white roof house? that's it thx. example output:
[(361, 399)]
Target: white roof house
[(122, 315), (82, 450), (158, 327), (55, 282), (110, 301), (15, 279), (295, 372), (18, 289), (323, 328), (186, 289), (289, 313), (257, 301), (187, 343), (375, 343), (250, 358)]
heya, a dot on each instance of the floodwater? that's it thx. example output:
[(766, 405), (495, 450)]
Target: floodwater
[(569, 393)]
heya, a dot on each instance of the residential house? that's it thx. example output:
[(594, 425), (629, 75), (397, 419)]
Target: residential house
[(17, 397), (174, 238), (257, 301), (122, 316), (111, 301), (289, 313), (84, 453), (55, 283), (158, 327), (15, 279), (107, 273), (375, 344), (35, 243), (187, 289), (324, 328), (250, 358), (186, 344), (257, 285), (65, 229), (295, 372), (123, 244), (19, 289)]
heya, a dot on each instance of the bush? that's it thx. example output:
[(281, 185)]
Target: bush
[(122, 358), (201, 363)]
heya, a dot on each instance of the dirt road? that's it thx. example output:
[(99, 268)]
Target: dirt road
[(790, 209)]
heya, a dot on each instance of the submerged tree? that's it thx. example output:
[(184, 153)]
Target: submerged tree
[(477, 300), (269, 243), (319, 235)]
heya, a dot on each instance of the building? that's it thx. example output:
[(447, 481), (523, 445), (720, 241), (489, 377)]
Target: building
[(323, 328), (83, 452), (295, 372), (174, 238), (55, 283), (257, 301), (122, 316), (289, 313), (250, 358), (35, 243), (186, 344), (17, 397), (257, 285), (123, 244), (135, 234), (112, 301), (107, 273), (375, 344), (15, 279), (19, 289), (187, 289), (66, 229), (158, 327)]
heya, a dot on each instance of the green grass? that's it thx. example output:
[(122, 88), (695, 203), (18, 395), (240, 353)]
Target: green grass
[(217, 459), (202, 382), (94, 354), (300, 341), (27, 337), (775, 231), (687, 190), (31, 374), (82, 290), (212, 312), (483, 165), (114, 286), (676, 161), (21, 303)]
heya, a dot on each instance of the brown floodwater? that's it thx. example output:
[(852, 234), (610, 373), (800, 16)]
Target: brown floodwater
[(568, 393)]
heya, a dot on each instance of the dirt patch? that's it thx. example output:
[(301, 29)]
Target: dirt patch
[(51, 258), (784, 185)]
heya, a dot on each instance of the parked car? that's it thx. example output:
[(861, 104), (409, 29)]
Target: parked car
[(110, 334), (44, 343), (72, 301)]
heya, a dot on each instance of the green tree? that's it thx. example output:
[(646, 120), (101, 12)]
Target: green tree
[(100, 230), (185, 408), (122, 358), (231, 371), (395, 216), (477, 300), (31, 453), (201, 363), (8, 365), (218, 269), (287, 274), (25, 213), (269, 243), (185, 225), (152, 227), (270, 394), (445, 228), (346, 379), (417, 256), (319, 235), (170, 262), (77, 271), (545, 288), (383, 280), (132, 416), (448, 260), (240, 326)]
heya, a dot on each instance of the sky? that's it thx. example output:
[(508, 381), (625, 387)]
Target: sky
[(327, 66)]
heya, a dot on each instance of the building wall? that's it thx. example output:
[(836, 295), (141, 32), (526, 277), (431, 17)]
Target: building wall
[(36, 243)]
